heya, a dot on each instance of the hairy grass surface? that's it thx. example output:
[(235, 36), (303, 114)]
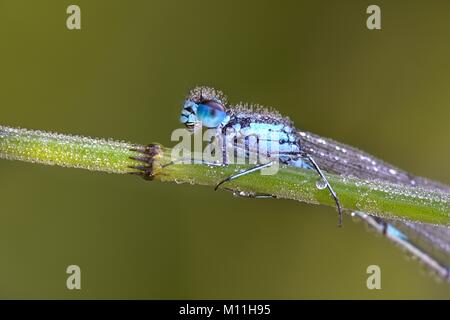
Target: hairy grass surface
[(383, 199)]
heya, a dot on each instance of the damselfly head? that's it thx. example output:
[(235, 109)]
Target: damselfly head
[(204, 107)]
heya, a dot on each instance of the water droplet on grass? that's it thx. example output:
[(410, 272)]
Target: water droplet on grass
[(321, 184)]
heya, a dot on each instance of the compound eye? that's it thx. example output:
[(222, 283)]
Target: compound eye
[(211, 113)]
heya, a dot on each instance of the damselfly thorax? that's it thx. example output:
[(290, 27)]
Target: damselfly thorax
[(260, 139)]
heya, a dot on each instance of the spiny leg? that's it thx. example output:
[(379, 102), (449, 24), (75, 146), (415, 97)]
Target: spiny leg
[(333, 194), (145, 170), (147, 158), (213, 164), (243, 173), (251, 195)]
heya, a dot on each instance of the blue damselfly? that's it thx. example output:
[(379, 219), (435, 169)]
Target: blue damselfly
[(234, 125)]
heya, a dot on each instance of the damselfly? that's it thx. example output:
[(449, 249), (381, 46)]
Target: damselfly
[(208, 107)]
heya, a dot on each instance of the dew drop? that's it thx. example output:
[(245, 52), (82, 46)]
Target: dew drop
[(321, 184)]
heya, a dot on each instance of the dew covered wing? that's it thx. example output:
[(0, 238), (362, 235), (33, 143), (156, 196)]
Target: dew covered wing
[(341, 159)]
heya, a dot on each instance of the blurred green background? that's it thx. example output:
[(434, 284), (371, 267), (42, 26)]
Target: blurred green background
[(125, 74)]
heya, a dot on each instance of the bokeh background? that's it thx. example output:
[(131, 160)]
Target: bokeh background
[(125, 74)]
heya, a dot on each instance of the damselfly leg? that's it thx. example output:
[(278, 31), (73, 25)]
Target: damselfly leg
[(314, 165), (244, 194), (250, 195), (193, 161), (145, 170), (243, 173), (147, 159), (330, 189)]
